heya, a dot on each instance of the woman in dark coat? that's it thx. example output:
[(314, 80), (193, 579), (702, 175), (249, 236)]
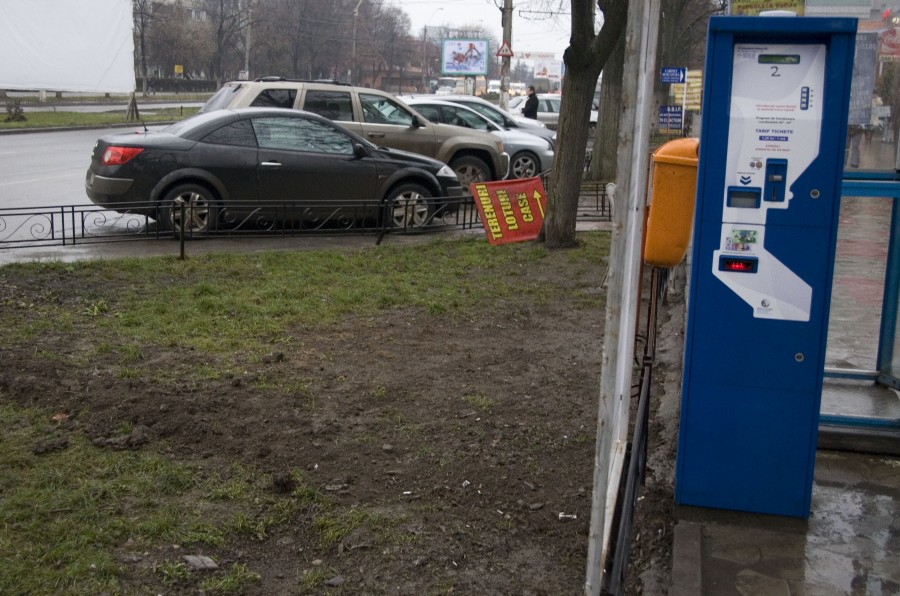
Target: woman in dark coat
[(530, 109)]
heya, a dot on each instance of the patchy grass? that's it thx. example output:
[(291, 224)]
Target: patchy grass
[(69, 509), (221, 303), (63, 119)]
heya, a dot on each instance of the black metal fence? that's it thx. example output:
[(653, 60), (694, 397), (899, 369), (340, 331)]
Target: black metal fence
[(636, 455), (69, 225)]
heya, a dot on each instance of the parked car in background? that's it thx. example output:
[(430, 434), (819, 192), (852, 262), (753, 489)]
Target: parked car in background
[(495, 114), (217, 164), (530, 155), (377, 116), (548, 109)]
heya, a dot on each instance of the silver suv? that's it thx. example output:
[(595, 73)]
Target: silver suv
[(475, 156), (496, 115)]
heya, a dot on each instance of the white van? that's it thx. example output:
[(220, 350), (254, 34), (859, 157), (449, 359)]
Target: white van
[(517, 88), (493, 86)]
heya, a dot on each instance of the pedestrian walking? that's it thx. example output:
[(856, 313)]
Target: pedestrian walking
[(530, 109)]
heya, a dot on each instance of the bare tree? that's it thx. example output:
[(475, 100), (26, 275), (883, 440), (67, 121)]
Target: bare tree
[(143, 18), (300, 38), (682, 43), (270, 50), (391, 41), (176, 38), (303, 28), (585, 57), (682, 34), (888, 89), (227, 21), (403, 47), (605, 150)]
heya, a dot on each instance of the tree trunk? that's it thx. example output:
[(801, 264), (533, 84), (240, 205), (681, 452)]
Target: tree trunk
[(568, 166), (606, 146), (584, 59)]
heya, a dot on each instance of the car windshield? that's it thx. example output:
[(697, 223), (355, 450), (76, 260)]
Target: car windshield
[(220, 99), (488, 112)]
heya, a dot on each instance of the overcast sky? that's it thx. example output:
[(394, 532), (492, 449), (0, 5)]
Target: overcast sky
[(532, 32)]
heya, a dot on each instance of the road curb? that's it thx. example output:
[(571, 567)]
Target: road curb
[(14, 131)]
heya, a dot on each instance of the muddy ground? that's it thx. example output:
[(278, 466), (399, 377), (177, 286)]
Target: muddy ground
[(475, 437)]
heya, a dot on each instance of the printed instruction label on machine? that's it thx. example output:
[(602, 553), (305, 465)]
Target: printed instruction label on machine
[(774, 133)]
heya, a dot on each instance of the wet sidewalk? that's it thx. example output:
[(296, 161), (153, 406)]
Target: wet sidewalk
[(851, 542), (849, 545)]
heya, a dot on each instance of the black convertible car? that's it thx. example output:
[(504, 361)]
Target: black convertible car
[(230, 166)]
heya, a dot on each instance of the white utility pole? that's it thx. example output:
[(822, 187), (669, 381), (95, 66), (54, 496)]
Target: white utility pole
[(623, 277)]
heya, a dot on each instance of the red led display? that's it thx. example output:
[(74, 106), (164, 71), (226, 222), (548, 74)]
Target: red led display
[(738, 265)]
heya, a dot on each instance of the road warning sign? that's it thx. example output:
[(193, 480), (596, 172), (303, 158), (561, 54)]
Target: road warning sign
[(505, 51)]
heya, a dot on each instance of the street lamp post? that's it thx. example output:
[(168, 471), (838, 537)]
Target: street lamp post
[(247, 43), (424, 46), (353, 53)]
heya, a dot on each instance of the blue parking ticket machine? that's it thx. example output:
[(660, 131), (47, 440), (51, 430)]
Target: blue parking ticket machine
[(775, 110)]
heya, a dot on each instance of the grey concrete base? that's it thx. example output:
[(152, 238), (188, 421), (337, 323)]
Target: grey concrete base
[(687, 567)]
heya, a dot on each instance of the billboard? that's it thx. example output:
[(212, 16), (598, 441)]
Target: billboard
[(464, 57), (60, 45), (545, 65)]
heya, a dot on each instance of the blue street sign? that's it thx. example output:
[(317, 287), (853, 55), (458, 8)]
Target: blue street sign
[(670, 118), (671, 74)]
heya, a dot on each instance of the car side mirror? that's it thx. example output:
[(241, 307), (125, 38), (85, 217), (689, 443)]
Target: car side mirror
[(417, 122), (359, 151)]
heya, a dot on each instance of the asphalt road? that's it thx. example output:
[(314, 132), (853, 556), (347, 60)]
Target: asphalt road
[(43, 169)]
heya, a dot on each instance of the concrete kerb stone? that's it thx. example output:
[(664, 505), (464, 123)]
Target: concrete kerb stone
[(687, 557), (14, 131)]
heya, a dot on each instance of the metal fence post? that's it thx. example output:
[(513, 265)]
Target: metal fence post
[(181, 233)]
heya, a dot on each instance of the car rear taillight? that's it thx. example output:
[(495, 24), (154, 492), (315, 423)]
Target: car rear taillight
[(116, 156)]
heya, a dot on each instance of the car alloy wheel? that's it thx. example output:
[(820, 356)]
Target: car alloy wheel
[(410, 206), (196, 201), (524, 165)]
